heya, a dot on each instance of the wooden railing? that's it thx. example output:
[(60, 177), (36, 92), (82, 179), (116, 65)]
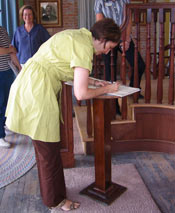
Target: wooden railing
[(151, 18)]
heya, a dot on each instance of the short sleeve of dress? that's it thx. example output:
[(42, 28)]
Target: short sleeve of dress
[(82, 53), (82, 57)]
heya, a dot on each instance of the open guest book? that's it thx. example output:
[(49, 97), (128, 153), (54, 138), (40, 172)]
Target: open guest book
[(122, 91)]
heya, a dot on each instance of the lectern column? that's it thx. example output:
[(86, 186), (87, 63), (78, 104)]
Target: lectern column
[(103, 188)]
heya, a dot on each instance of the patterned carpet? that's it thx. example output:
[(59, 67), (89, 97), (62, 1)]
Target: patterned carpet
[(136, 199), (17, 160), (156, 169), (158, 173)]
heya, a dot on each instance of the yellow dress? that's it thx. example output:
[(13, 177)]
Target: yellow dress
[(33, 108)]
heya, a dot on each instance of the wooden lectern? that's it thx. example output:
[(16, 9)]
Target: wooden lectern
[(103, 189)]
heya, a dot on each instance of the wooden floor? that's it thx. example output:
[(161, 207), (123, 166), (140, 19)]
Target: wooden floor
[(22, 196)]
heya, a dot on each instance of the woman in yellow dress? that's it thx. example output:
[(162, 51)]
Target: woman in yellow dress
[(33, 109)]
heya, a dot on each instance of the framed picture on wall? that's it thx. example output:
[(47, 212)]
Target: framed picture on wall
[(49, 13)]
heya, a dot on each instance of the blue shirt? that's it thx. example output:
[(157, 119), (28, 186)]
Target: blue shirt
[(27, 43), (111, 9)]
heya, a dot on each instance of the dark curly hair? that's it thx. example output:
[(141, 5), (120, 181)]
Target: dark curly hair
[(106, 29)]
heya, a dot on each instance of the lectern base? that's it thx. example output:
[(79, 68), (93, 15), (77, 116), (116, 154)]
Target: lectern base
[(113, 192)]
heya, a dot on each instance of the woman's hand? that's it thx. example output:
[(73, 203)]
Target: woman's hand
[(7, 50), (113, 87), (127, 43), (12, 49), (101, 83), (108, 86)]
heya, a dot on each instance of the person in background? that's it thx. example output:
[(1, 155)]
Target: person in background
[(7, 53), (115, 9), (49, 13), (28, 37), (33, 108)]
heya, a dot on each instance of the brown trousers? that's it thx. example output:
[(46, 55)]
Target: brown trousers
[(50, 172)]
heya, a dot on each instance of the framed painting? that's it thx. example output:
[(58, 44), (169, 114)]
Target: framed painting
[(49, 13)]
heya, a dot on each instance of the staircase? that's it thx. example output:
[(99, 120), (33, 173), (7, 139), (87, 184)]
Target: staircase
[(148, 124)]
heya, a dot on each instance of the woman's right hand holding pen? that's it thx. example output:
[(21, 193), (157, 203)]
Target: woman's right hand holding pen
[(113, 87)]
